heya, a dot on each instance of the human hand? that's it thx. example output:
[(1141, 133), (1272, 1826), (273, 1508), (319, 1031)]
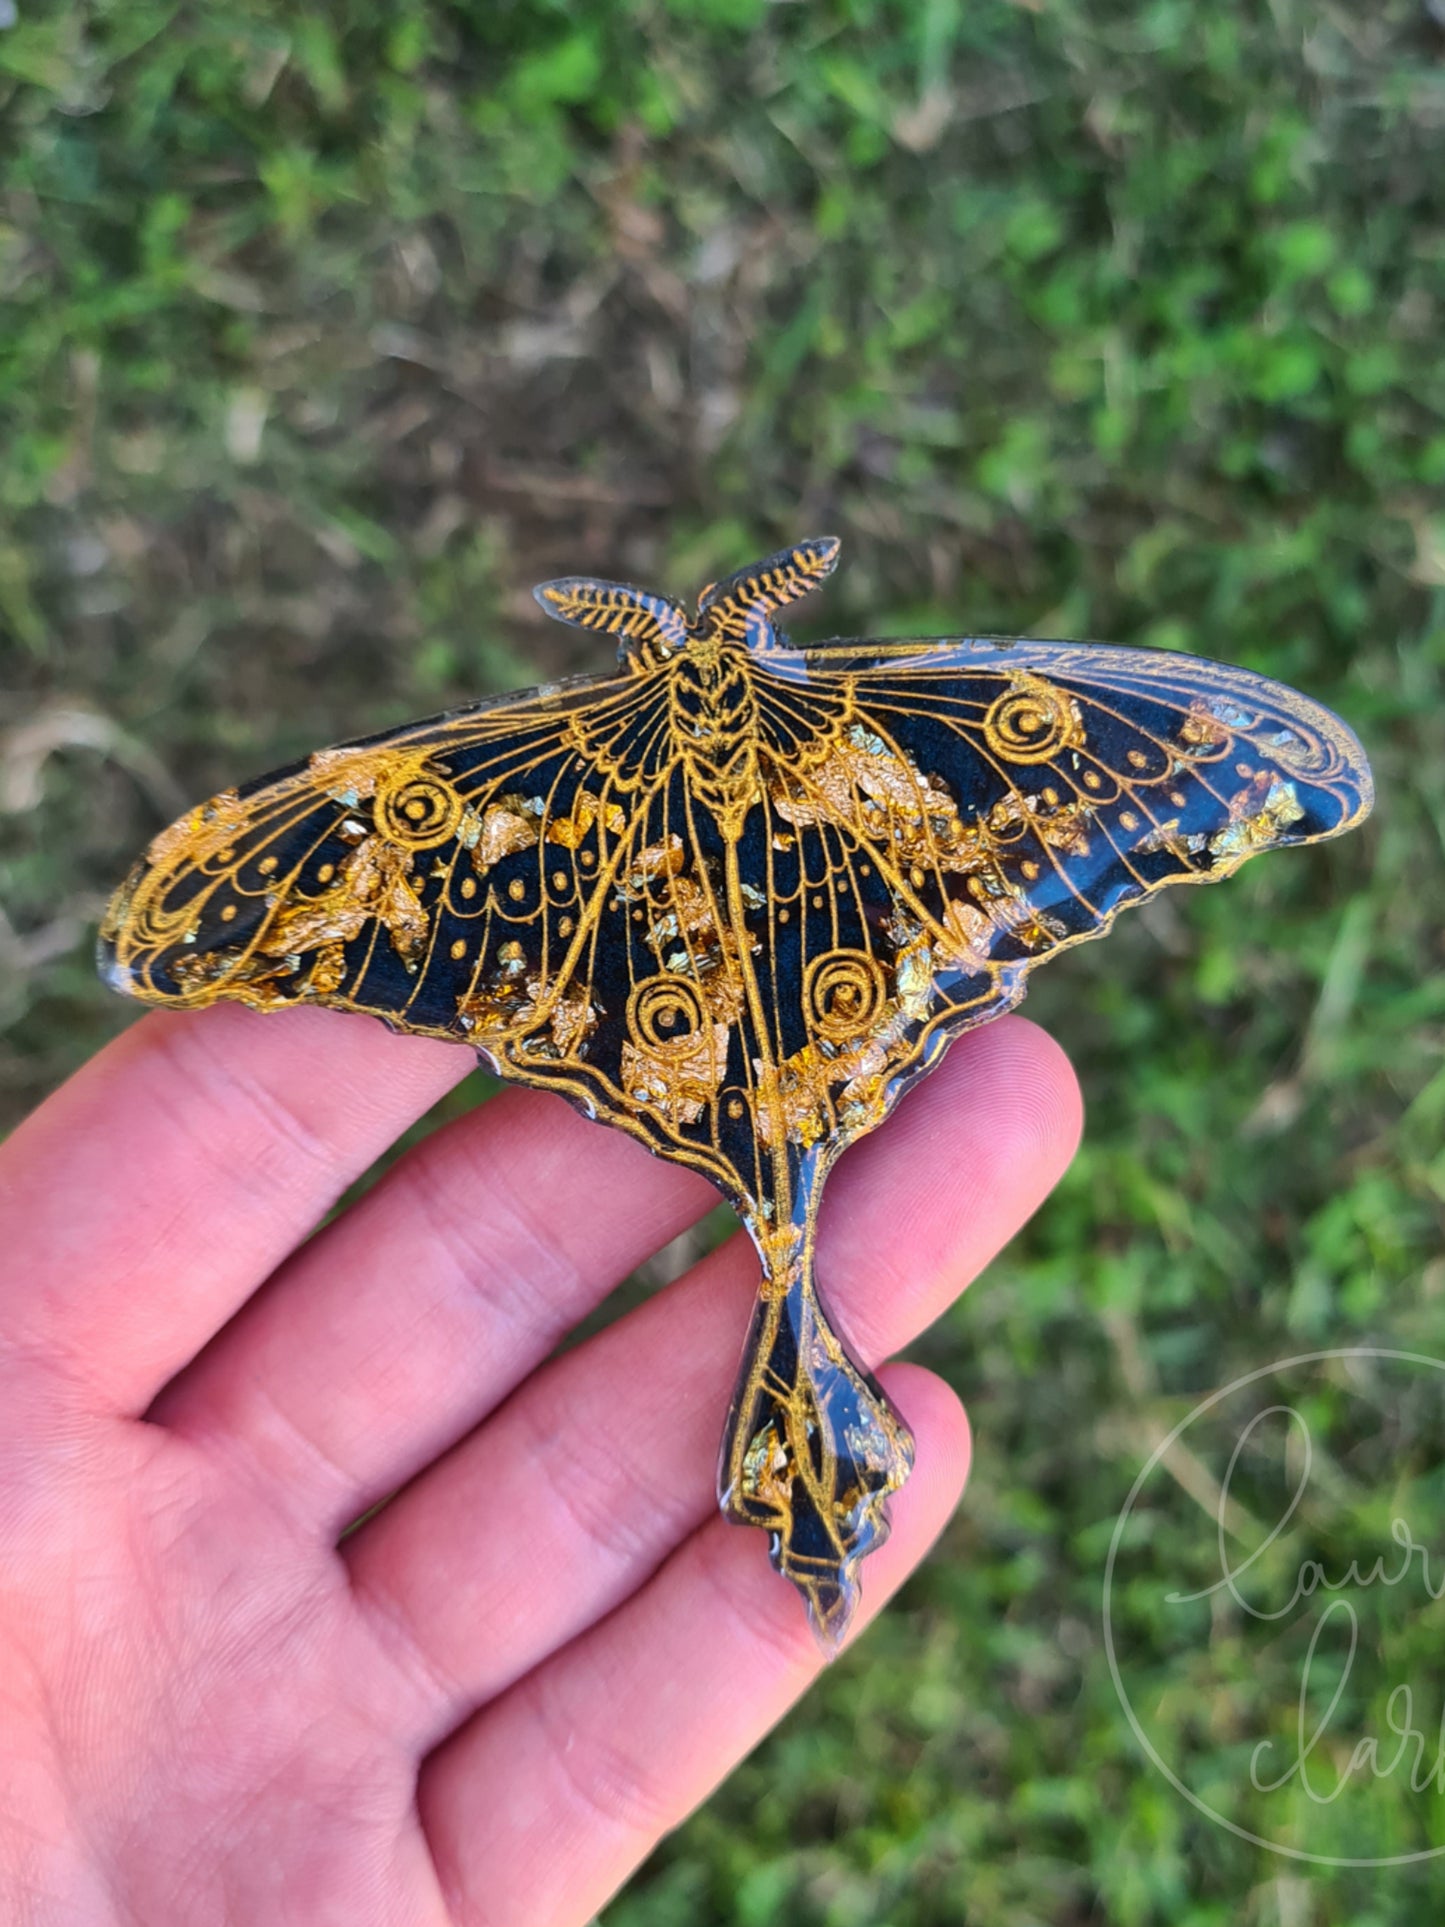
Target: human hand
[(489, 1702)]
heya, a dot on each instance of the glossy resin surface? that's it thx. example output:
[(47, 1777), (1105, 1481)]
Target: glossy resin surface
[(733, 898)]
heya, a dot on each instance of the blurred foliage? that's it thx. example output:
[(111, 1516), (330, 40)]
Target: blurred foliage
[(326, 333)]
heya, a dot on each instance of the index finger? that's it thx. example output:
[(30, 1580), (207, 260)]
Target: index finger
[(142, 1204)]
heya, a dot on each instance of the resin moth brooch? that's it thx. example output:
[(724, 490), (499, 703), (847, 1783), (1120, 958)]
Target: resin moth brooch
[(734, 898)]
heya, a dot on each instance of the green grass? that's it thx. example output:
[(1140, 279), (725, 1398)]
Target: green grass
[(326, 333)]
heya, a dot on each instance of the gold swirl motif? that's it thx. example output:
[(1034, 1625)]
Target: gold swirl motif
[(844, 993), (416, 810), (1314, 755), (1032, 722), (150, 924), (663, 1011)]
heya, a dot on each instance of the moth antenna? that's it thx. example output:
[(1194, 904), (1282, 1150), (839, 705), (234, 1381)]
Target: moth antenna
[(739, 609), (647, 626)]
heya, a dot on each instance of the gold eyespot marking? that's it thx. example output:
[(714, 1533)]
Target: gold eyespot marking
[(326, 873), (516, 889), (1030, 869), (266, 865), (1051, 796), (1091, 779), (228, 913), (416, 810), (469, 886), (916, 877), (1243, 769), (865, 869), (565, 926), (664, 1009), (1177, 798), (844, 993), (459, 950), (1032, 722), (736, 1107), (559, 879), (783, 915), (817, 903), (1137, 759), (1128, 819), (587, 858)]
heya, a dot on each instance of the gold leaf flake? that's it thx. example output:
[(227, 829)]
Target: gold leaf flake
[(372, 882), (570, 830), (1258, 817), (506, 827), (680, 1078), (201, 833), (351, 775)]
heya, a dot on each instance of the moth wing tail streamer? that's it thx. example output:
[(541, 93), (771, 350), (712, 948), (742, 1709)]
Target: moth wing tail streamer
[(958, 814), (813, 1450)]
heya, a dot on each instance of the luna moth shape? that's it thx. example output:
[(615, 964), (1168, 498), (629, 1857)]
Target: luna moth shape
[(734, 897)]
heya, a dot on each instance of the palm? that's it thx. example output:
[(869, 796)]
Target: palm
[(260, 1719), (489, 1701)]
